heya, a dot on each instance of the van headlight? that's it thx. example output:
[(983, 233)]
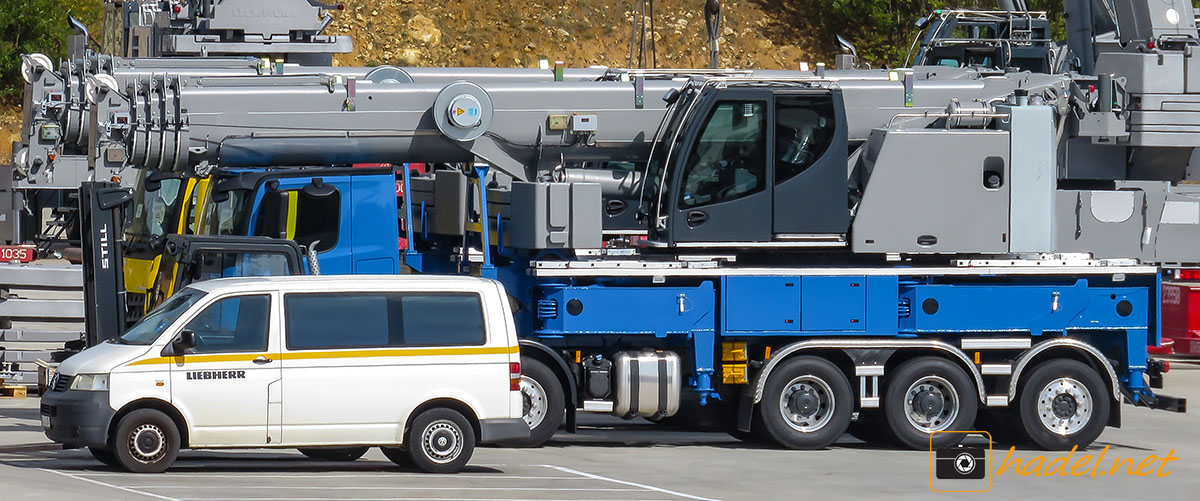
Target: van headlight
[(90, 382)]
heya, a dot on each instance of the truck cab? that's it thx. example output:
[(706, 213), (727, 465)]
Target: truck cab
[(316, 363)]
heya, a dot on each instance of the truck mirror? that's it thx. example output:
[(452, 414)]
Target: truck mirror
[(185, 340), (317, 188)]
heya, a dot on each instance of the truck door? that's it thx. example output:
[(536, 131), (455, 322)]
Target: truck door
[(315, 217), (223, 384), (722, 186), (810, 164)]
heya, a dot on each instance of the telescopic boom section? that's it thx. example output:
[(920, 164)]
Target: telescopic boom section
[(516, 128)]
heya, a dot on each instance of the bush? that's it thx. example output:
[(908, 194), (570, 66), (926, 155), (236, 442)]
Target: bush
[(28, 26)]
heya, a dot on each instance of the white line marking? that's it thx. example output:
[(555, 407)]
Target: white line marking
[(401, 499), (379, 488), (623, 482), (253, 476), (105, 484)]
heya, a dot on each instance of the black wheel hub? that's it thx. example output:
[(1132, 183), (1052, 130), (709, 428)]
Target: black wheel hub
[(1064, 406), (147, 442), (805, 403), (928, 404)]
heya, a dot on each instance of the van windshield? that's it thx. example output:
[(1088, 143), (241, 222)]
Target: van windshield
[(147, 330)]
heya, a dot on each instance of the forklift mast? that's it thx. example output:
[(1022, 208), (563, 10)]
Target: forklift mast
[(101, 213)]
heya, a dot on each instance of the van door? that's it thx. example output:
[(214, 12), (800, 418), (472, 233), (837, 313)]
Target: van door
[(358, 363), (222, 384)]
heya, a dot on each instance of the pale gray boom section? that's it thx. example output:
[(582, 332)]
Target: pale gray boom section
[(56, 132), (295, 122)]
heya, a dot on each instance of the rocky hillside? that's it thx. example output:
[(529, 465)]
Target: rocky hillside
[(579, 32), (506, 33)]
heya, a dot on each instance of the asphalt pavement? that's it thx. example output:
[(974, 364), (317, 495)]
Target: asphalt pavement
[(611, 459)]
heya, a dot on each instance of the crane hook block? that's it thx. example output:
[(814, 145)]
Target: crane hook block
[(463, 111)]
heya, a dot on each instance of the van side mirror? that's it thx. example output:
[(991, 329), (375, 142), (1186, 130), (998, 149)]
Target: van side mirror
[(182, 342)]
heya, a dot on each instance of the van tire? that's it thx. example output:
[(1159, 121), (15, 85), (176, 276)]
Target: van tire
[(334, 454), (104, 456), (440, 440), (398, 455), (146, 441), (539, 382)]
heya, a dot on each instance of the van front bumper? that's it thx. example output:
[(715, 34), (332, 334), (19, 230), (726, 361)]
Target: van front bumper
[(496, 430), (77, 418)]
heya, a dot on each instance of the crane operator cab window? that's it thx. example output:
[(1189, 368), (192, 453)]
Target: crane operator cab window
[(804, 129), (729, 161)]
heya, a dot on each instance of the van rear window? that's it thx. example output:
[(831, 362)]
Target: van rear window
[(365, 320)]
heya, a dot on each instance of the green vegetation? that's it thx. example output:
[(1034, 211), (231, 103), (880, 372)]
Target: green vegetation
[(883, 30), (37, 26)]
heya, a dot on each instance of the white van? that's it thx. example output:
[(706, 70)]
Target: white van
[(422, 367)]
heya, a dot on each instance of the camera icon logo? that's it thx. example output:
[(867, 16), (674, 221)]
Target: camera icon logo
[(962, 468), (965, 463)]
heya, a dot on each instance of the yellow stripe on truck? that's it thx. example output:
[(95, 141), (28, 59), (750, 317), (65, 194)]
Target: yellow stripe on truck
[(313, 355)]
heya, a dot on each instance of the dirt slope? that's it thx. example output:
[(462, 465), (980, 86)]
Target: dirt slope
[(509, 33)]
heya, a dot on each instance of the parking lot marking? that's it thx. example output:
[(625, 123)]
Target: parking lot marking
[(399, 499), (106, 484), (381, 488), (252, 475), (625, 482)]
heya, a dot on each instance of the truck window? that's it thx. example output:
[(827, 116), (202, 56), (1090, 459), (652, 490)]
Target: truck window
[(729, 161), (230, 217), (317, 220), (804, 129), (241, 264), (367, 320), (233, 324), (147, 330)]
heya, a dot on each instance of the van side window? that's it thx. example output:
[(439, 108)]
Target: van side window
[(366, 320), (233, 324)]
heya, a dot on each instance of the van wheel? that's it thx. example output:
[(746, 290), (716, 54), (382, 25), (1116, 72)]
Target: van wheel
[(926, 395), (544, 404), (806, 403), (146, 441), (104, 456), (441, 441), (1064, 404), (334, 454), (398, 455)]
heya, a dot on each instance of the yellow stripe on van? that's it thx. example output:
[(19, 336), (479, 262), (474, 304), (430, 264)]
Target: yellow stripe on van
[(313, 355)]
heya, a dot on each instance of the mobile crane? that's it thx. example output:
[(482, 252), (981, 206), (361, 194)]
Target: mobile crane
[(1001, 255)]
